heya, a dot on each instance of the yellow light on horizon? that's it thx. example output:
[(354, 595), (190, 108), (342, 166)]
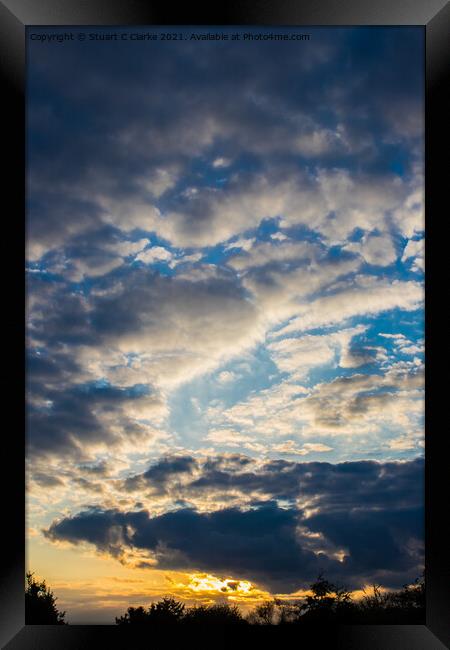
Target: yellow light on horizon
[(205, 582)]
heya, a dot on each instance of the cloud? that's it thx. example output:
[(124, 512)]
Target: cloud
[(297, 356), (284, 290), (340, 202), (365, 295), (221, 162), (157, 317), (235, 439), (159, 181), (231, 438), (407, 442), (279, 236), (291, 447), (268, 253), (160, 474), (318, 142), (377, 249), (132, 172), (409, 217), (126, 248), (242, 243), (358, 521), (154, 254), (65, 417), (143, 330), (415, 249), (361, 408), (332, 202), (360, 403), (90, 254), (226, 376), (405, 346)]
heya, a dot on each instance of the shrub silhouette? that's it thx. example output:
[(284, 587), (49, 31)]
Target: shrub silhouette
[(406, 606), (328, 602), (167, 610), (40, 607), (220, 614), (411, 597), (275, 612), (133, 616), (265, 614)]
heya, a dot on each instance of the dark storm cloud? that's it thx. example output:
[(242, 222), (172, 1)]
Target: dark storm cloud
[(376, 539), (334, 486), (371, 511), (259, 544), (160, 474)]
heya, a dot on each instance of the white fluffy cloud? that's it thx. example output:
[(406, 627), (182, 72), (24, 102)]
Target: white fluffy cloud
[(154, 254), (359, 406), (378, 250), (332, 202), (221, 162), (365, 295), (264, 253), (160, 180), (415, 249), (291, 447), (409, 217), (297, 356)]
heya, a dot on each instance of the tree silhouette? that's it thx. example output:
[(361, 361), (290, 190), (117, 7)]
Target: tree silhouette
[(167, 610), (133, 616), (220, 614), (275, 612), (406, 606), (328, 602), (264, 614), (40, 607), (411, 597)]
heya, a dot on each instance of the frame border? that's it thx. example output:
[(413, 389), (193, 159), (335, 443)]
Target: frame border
[(434, 17)]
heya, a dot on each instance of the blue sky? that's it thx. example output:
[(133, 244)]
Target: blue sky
[(225, 260)]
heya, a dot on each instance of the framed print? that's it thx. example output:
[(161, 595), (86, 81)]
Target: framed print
[(228, 417)]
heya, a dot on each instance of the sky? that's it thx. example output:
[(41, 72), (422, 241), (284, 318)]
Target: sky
[(225, 324)]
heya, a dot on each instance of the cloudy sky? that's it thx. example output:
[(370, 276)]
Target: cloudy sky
[(225, 315)]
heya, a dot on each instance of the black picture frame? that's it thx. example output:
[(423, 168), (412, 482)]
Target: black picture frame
[(15, 16)]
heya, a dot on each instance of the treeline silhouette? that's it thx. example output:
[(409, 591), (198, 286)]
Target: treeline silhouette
[(327, 604)]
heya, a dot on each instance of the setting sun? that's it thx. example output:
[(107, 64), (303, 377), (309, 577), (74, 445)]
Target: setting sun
[(204, 582)]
